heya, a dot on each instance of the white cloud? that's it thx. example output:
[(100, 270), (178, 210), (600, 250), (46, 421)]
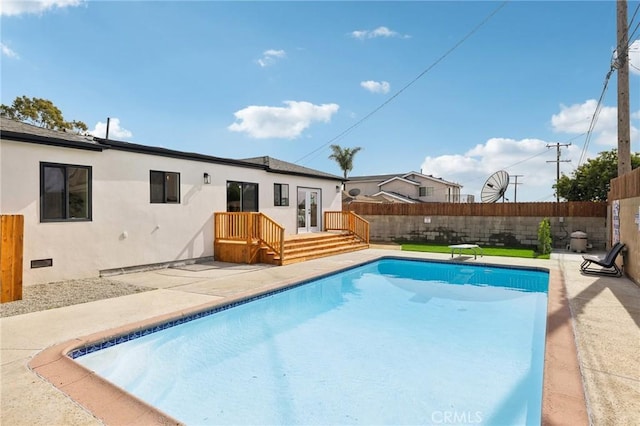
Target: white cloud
[(8, 52), (262, 122), (269, 57), (19, 7), (576, 119), (634, 57), (378, 32), (376, 86), (115, 131)]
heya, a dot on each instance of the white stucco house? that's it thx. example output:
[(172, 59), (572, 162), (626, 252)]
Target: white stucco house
[(92, 205), (412, 187)]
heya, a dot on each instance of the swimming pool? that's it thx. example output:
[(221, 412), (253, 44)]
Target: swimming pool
[(394, 341)]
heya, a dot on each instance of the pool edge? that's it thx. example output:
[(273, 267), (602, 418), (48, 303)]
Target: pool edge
[(563, 393)]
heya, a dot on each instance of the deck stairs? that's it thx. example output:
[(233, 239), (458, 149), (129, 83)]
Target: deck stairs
[(300, 248)]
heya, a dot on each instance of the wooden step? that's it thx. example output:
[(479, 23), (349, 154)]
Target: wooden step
[(300, 249), (314, 254)]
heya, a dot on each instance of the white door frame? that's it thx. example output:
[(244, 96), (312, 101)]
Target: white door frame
[(309, 209)]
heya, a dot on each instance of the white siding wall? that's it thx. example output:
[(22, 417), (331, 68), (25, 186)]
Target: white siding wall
[(440, 190), (402, 188), (126, 229), (365, 187)]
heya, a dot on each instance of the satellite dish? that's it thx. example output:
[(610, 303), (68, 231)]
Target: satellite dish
[(354, 192), (495, 187)]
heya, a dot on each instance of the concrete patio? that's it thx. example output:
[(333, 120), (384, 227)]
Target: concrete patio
[(605, 310)]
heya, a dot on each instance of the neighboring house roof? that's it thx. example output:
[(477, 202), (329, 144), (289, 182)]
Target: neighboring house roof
[(378, 178), (346, 198), (385, 178), (396, 197), (401, 179), (23, 132), (279, 166), (435, 179)]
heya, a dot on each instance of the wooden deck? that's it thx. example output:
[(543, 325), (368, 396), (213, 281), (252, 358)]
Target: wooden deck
[(255, 238), (297, 248)]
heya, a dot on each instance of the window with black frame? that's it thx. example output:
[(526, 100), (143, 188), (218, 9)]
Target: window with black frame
[(164, 187), (242, 197), (65, 192), (280, 194)]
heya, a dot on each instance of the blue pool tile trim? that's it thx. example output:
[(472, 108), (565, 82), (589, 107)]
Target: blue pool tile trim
[(96, 346)]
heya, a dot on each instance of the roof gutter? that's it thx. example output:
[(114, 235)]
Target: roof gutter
[(45, 140)]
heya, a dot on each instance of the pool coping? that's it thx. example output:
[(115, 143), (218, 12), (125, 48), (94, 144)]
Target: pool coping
[(563, 392)]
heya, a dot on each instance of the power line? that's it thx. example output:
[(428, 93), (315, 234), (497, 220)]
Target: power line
[(631, 21), (632, 34), (429, 68), (594, 117)]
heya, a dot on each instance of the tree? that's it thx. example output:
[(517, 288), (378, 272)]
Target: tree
[(590, 181), (344, 157), (40, 112)]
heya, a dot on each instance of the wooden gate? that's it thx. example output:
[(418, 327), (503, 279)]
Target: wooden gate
[(11, 237)]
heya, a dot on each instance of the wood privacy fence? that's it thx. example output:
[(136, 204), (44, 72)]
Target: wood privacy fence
[(567, 209), (11, 240), (625, 186)]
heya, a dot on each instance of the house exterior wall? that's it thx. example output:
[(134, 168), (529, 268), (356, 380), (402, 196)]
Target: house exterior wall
[(399, 187), (126, 229), (441, 191), (630, 236), (365, 187)]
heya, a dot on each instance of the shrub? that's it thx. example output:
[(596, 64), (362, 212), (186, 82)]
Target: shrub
[(544, 236)]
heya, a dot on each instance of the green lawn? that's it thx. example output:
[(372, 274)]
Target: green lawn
[(487, 251)]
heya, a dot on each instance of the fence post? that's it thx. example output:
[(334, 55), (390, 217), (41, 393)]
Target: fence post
[(11, 245)]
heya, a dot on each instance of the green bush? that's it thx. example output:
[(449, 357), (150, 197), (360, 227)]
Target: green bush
[(544, 236)]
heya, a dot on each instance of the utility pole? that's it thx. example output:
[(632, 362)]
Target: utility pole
[(515, 187), (622, 65), (558, 161)]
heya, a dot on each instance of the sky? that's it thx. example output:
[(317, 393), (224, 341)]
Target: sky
[(455, 89)]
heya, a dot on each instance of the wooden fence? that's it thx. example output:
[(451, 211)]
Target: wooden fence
[(625, 186), (567, 209)]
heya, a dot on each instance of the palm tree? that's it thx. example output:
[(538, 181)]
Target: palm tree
[(344, 157)]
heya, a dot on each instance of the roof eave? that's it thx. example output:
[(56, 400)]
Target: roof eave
[(46, 140)]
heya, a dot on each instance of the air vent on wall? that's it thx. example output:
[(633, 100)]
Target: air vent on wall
[(41, 263)]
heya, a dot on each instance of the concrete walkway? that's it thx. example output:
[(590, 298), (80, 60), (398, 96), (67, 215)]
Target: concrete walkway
[(606, 315)]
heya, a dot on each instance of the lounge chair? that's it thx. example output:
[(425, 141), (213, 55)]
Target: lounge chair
[(607, 263)]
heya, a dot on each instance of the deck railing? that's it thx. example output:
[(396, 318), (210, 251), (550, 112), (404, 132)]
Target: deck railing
[(249, 227), (347, 221), (270, 233)]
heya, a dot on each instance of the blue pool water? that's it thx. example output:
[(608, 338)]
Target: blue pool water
[(390, 342)]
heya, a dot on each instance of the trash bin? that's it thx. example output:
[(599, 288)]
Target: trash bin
[(579, 241)]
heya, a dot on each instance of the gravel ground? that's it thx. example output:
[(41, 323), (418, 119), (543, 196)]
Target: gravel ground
[(41, 297)]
